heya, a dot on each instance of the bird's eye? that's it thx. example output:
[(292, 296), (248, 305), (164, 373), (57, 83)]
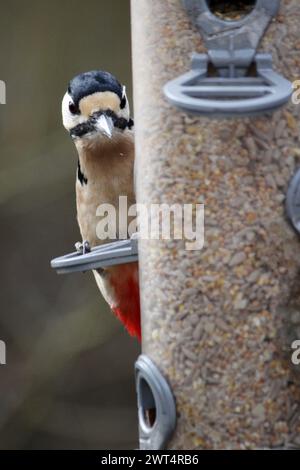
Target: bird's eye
[(72, 108)]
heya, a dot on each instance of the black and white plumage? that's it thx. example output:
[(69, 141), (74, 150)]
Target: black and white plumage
[(96, 113)]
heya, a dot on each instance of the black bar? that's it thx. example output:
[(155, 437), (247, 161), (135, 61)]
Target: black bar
[(137, 458)]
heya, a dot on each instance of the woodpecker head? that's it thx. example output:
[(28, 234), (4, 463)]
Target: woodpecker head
[(95, 107)]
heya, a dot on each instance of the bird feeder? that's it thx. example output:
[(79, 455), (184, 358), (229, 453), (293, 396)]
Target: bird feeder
[(231, 49), (218, 323)]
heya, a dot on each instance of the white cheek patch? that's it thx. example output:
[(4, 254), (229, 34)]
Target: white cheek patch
[(70, 120), (125, 112)]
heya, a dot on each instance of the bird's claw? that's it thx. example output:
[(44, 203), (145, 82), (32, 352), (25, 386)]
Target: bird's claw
[(83, 247)]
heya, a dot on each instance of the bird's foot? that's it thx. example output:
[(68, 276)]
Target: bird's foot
[(83, 247)]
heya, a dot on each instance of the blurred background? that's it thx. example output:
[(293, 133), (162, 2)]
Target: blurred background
[(68, 382)]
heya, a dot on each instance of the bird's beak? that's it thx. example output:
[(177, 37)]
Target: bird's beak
[(104, 124)]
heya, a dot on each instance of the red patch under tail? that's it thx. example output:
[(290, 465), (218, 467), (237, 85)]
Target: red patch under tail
[(128, 307)]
